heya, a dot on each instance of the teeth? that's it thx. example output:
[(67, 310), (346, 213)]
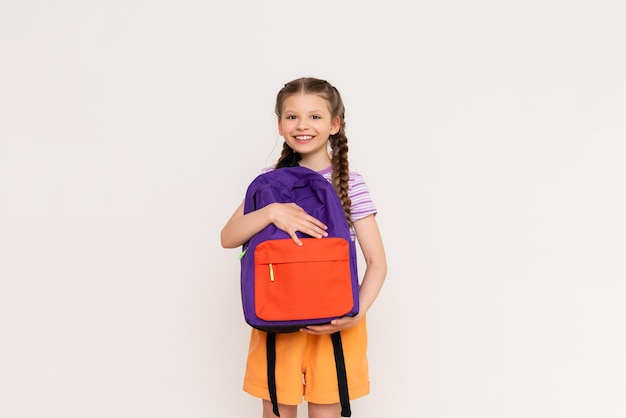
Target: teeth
[(304, 137)]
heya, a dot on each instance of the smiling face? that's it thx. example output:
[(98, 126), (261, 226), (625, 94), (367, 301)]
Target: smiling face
[(306, 124)]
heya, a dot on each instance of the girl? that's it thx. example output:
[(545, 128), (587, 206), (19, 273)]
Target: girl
[(311, 118)]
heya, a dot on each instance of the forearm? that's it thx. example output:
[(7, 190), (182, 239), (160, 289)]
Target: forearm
[(371, 243), (240, 228), (371, 285), (287, 217)]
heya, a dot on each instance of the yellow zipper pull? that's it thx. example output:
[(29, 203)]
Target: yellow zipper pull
[(271, 273)]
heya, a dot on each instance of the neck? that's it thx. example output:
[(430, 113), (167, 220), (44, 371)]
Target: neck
[(315, 163)]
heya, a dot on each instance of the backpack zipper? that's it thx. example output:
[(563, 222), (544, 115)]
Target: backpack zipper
[(271, 273), (243, 252)]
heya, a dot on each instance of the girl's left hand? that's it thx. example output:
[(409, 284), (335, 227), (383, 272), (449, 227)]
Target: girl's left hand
[(335, 325)]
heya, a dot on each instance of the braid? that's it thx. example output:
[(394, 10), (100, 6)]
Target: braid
[(341, 169)]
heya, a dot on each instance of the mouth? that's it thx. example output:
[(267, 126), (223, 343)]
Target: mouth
[(303, 138)]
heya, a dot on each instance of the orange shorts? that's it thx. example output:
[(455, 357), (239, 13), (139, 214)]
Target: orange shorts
[(305, 366)]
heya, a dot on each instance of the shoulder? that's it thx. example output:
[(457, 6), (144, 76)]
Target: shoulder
[(355, 177), (357, 185), (362, 203)]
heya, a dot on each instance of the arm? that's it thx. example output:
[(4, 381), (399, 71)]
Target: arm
[(288, 217), (371, 243)]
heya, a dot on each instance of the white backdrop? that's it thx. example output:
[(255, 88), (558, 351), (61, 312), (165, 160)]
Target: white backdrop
[(491, 135)]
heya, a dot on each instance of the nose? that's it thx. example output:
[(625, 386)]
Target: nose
[(302, 124)]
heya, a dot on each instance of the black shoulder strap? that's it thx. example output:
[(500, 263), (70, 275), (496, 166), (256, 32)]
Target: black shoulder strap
[(342, 378), (270, 351), (340, 365)]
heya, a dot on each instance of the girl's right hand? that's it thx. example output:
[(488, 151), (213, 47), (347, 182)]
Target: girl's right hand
[(290, 218)]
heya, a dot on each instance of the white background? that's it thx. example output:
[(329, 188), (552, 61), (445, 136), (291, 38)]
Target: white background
[(491, 134)]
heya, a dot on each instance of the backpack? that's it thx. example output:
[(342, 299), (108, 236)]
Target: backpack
[(285, 287)]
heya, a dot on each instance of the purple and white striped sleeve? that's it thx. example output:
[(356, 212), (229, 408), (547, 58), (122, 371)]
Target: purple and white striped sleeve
[(362, 204)]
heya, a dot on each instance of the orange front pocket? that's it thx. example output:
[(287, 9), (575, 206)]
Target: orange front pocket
[(307, 282)]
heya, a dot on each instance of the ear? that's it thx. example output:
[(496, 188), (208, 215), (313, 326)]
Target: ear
[(335, 125), (280, 128)]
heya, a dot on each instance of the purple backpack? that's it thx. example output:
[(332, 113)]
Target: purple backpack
[(271, 258)]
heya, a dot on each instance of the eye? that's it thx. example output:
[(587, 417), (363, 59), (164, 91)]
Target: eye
[(291, 117), (316, 117)]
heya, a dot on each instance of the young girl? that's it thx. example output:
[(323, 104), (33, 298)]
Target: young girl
[(311, 118)]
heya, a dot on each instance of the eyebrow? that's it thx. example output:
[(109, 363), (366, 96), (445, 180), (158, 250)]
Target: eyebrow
[(312, 111)]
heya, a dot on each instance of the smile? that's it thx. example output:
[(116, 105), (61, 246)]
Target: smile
[(303, 137)]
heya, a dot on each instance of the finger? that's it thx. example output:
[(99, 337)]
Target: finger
[(321, 329), (295, 238), (316, 232), (309, 230), (316, 229), (319, 224), (322, 232), (314, 332)]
